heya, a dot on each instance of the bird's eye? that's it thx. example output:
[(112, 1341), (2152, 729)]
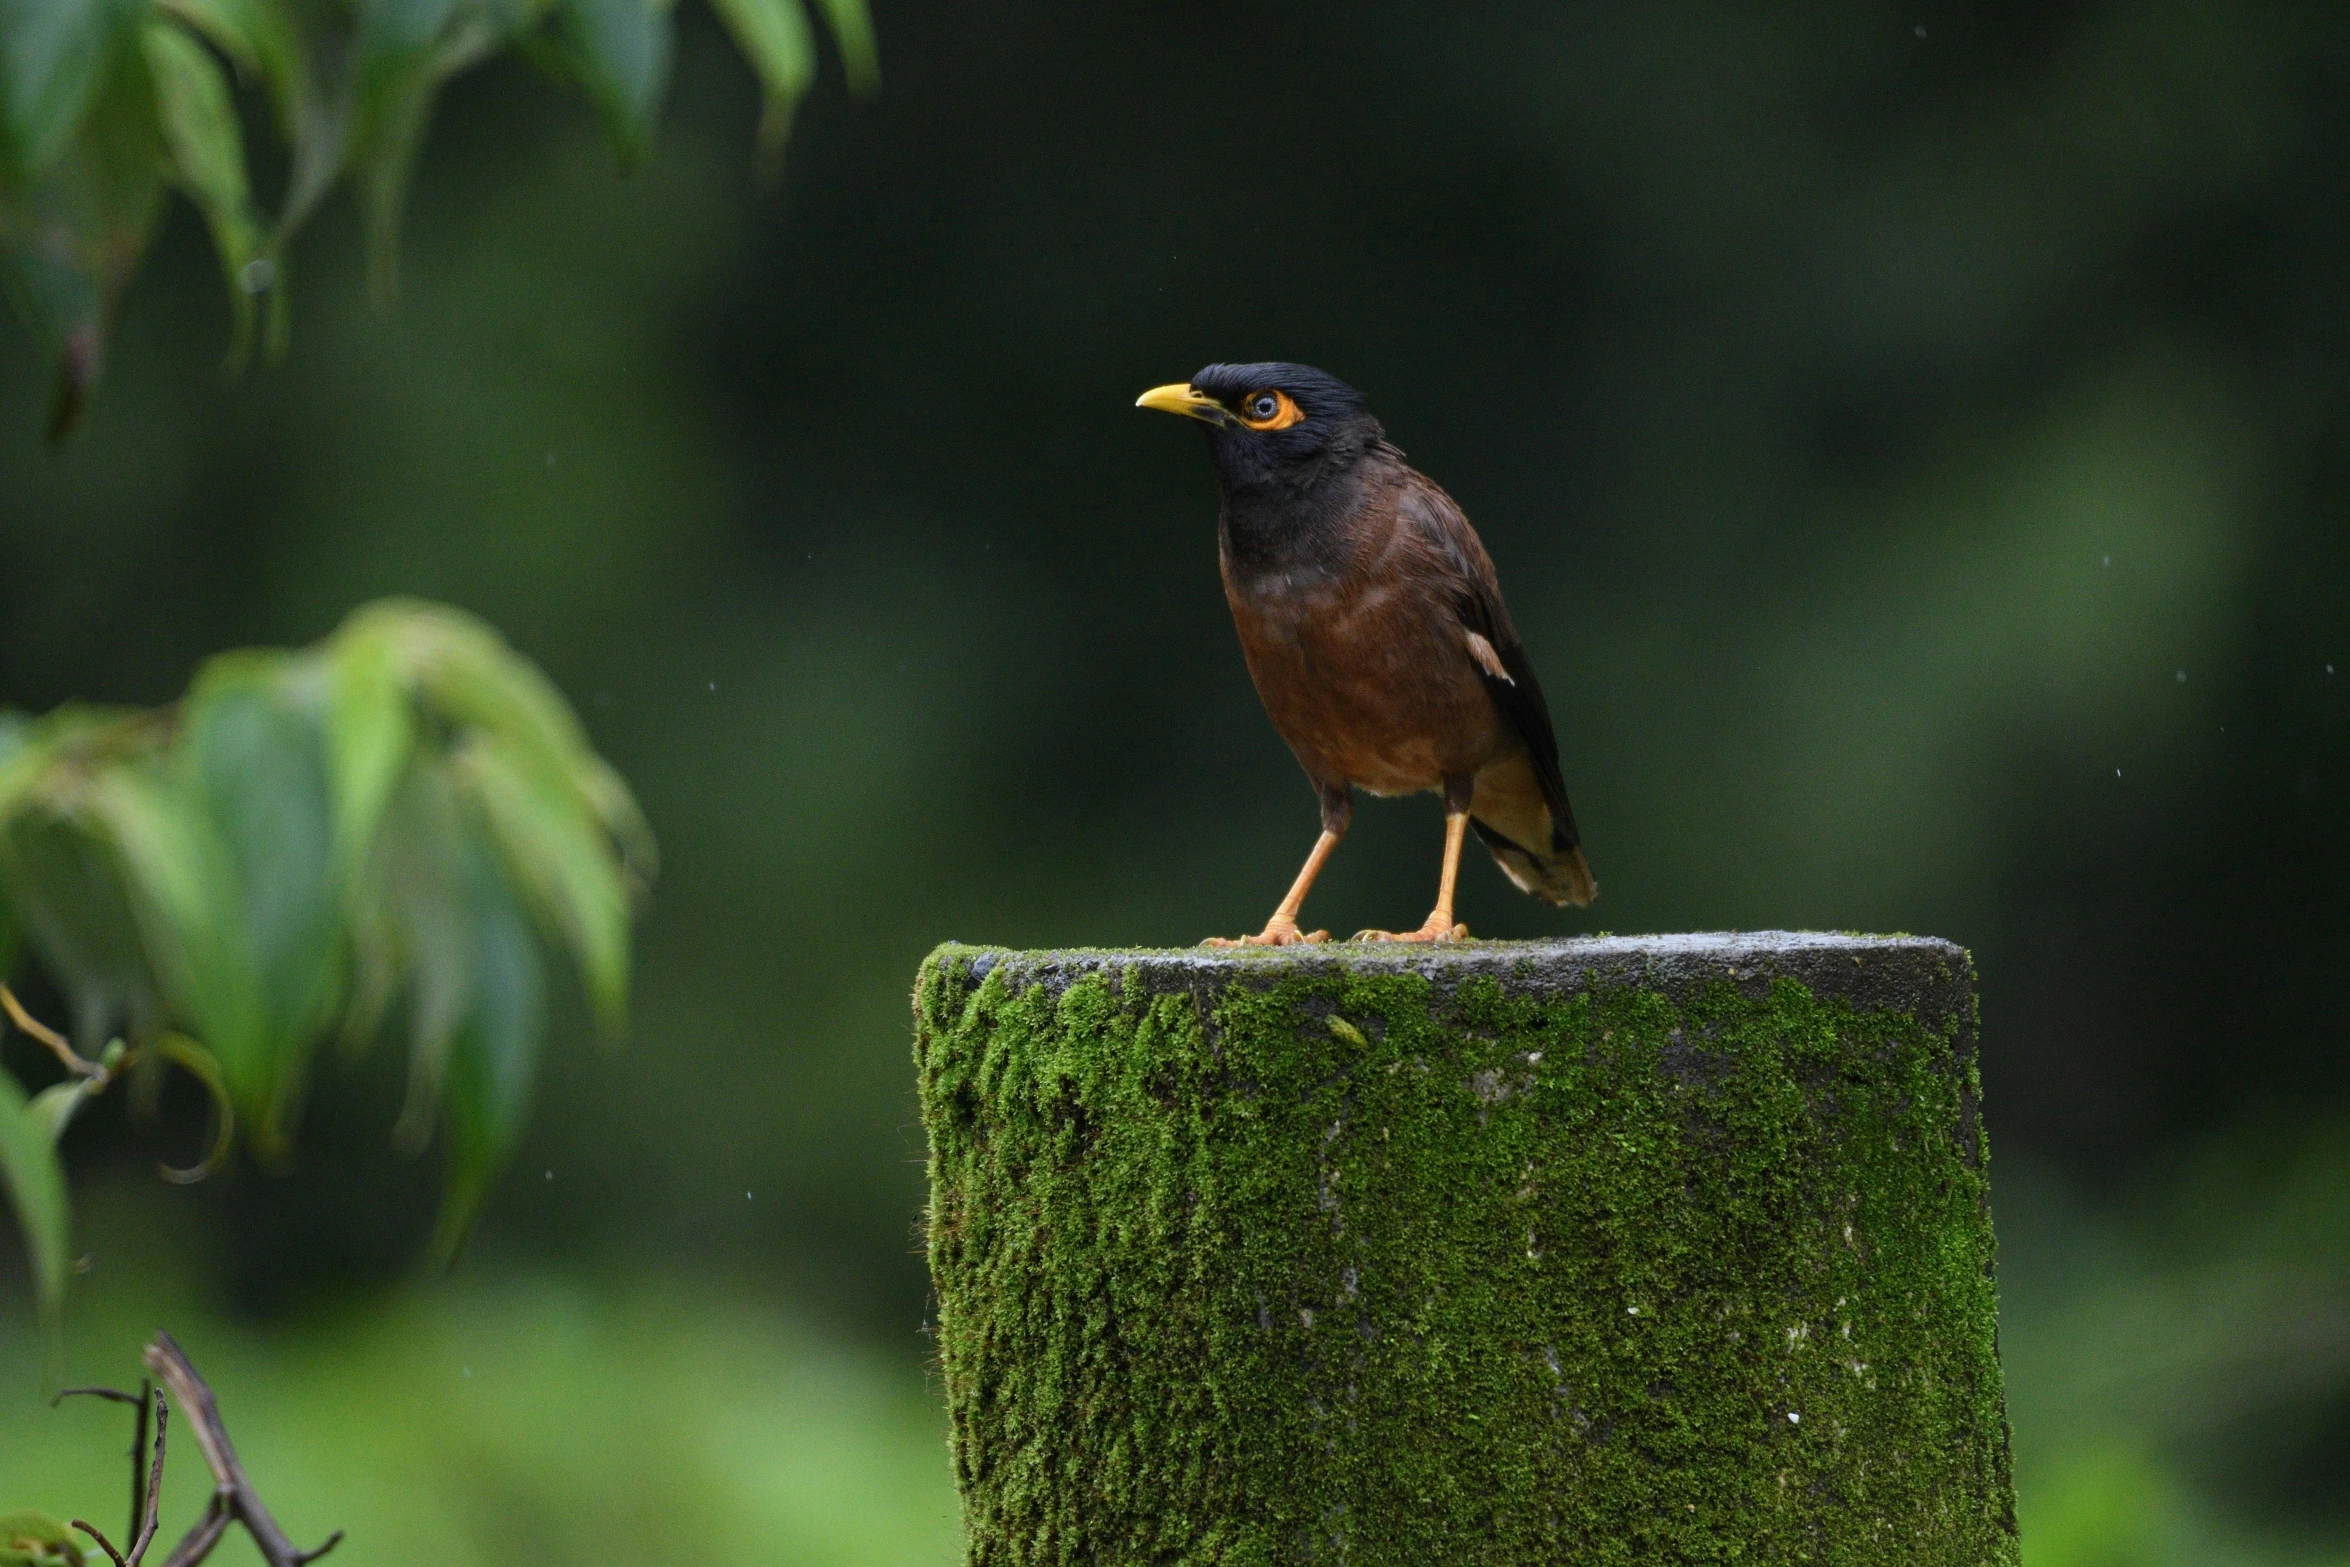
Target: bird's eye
[(1270, 410)]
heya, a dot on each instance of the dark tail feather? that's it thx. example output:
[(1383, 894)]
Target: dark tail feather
[(1511, 815), (1562, 876)]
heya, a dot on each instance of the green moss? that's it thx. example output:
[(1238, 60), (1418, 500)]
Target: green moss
[(1273, 1259)]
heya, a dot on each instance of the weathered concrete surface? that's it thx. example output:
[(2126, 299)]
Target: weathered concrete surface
[(1653, 1249)]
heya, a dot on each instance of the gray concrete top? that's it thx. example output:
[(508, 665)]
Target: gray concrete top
[(1924, 975)]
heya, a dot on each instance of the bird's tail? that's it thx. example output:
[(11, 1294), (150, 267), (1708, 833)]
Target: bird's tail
[(1536, 845)]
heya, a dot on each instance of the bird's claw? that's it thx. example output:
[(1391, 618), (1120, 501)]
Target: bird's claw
[(1274, 935), (1428, 932)]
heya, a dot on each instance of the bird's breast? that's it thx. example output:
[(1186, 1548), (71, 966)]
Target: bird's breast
[(1366, 675)]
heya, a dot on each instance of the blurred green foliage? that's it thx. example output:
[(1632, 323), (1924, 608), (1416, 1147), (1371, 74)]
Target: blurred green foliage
[(304, 842), (497, 1419), (36, 1540), (2176, 1369), (1871, 429), (107, 105)]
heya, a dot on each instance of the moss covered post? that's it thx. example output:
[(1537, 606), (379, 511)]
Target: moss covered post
[(1657, 1250)]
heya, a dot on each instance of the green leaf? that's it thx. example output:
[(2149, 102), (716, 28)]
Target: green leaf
[(776, 38), (405, 50), (53, 56), (466, 675), (566, 826), (37, 1540), (493, 1058), (29, 748), (852, 30), (35, 1183), (391, 31), (370, 729), (76, 912), (620, 51), (260, 36), (398, 60), (193, 1059), (193, 922), (411, 928), (561, 858), (54, 1107), (208, 156), (14, 741), (74, 234), (256, 758), (59, 880), (385, 160)]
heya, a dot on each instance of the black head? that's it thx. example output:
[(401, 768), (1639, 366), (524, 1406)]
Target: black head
[(1274, 426)]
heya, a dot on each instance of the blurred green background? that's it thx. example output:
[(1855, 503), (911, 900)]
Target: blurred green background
[(1916, 444)]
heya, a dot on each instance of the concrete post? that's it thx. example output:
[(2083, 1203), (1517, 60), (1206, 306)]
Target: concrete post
[(1622, 1250)]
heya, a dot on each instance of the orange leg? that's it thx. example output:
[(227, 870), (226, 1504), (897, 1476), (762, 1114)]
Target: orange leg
[(1439, 925), (1281, 930)]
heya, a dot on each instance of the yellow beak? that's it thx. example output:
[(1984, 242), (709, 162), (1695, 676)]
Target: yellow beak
[(1181, 399)]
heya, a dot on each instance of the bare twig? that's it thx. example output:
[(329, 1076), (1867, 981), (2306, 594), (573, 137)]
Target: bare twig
[(332, 1541), (142, 1487), (234, 1495), (104, 1544), (199, 1541), (110, 1394), (233, 1498), (152, 1511), (57, 1043)]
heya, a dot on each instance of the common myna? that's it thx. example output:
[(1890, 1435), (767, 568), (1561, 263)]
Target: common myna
[(1375, 631)]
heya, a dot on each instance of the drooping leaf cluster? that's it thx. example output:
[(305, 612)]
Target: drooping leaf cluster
[(108, 105), (37, 1540), (391, 827)]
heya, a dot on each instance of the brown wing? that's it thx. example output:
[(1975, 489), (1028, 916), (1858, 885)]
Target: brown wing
[(1521, 809)]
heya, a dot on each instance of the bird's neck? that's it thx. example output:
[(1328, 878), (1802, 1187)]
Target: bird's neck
[(1281, 528)]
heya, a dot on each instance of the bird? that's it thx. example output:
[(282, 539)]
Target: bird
[(1374, 629)]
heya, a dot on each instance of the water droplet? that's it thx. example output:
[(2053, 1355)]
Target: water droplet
[(2109, 560), (1793, 1418), (257, 275), (1921, 29), (550, 1175), (2182, 677), (2117, 772)]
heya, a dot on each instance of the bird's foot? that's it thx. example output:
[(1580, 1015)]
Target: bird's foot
[(1432, 931), (1278, 932)]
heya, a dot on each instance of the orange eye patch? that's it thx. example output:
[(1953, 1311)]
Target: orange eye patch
[(1270, 411)]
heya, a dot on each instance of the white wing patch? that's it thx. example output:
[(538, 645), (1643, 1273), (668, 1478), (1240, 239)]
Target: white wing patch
[(1487, 659)]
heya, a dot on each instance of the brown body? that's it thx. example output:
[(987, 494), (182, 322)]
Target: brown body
[(1368, 672), (1392, 667)]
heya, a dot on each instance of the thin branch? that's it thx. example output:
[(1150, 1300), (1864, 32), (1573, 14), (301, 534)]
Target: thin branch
[(332, 1541), (235, 1492), (58, 1043), (154, 1505), (144, 1486), (199, 1541), (112, 1394), (104, 1543)]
